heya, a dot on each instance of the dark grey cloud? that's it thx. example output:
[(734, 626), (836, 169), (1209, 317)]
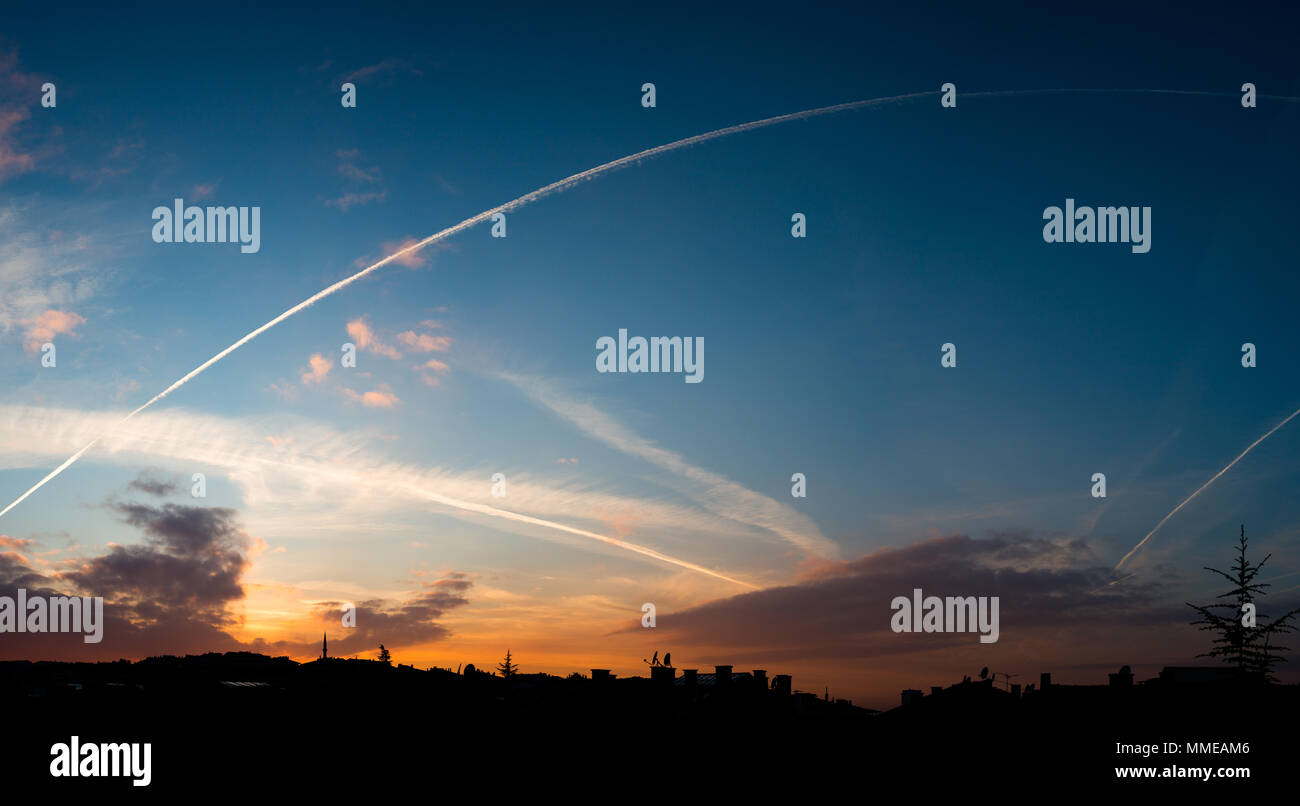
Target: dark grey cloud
[(151, 485), (1045, 586), (173, 594)]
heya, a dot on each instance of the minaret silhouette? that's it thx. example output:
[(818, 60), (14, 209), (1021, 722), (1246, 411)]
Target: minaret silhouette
[(324, 647)]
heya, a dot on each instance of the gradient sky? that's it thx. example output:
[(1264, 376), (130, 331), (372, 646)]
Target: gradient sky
[(822, 354)]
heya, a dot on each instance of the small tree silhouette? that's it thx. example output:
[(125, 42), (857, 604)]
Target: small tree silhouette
[(385, 656), (506, 668), (1246, 646)]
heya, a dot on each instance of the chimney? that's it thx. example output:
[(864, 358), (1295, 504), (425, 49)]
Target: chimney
[(722, 675), (783, 685), (760, 679), (663, 675), (1044, 680), (688, 676)]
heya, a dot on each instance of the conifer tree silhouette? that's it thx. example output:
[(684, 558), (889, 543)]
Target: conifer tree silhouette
[(1243, 643), (506, 668), (385, 656)]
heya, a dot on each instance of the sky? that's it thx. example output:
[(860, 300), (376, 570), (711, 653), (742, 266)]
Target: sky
[(372, 485)]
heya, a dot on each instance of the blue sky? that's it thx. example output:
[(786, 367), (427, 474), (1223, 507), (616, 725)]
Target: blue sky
[(822, 354)]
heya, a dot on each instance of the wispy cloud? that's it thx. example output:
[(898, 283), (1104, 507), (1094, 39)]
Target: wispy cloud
[(349, 200), (49, 324), (42, 271), (424, 342), (361, 333), (388, 67), (322, 479), (711, 490)]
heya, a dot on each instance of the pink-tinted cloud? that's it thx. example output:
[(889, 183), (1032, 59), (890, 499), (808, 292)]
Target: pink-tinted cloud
[(12, 160), (365, 339), (381, 398), (318, 367), (414, 260), (44, 327), (424, 342), (433, 365)]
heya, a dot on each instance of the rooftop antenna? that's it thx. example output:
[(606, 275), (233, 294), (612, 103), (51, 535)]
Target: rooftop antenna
[(1006, 678)]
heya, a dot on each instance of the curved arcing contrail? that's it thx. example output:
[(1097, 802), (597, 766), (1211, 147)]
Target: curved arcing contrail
[(528, 198), (1213, 478), (556, 187)]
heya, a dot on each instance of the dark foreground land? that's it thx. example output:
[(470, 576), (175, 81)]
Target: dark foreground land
[(245, 723)]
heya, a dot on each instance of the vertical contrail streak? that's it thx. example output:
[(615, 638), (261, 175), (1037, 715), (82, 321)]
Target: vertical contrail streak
[(565, 184), (1213, 478)]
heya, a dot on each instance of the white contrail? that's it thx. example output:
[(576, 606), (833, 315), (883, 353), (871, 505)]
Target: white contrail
[(1213, 478), (556, 187)]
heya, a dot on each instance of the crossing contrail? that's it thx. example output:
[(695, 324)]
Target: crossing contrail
[(1213, 478), (557, 187)]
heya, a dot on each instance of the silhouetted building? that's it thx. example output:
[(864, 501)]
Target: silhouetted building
[(1124, 677)]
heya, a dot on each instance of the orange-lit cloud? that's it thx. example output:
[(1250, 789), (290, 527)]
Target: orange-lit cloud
[(424, 342), (361, 333), (414, 260), (319, 367), (44, 327), (381, 398)]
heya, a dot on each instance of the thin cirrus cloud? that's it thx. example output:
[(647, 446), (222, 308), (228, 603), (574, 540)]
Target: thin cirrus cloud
[(318, 479), (711, 490), (367, 182), (43, 273)]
